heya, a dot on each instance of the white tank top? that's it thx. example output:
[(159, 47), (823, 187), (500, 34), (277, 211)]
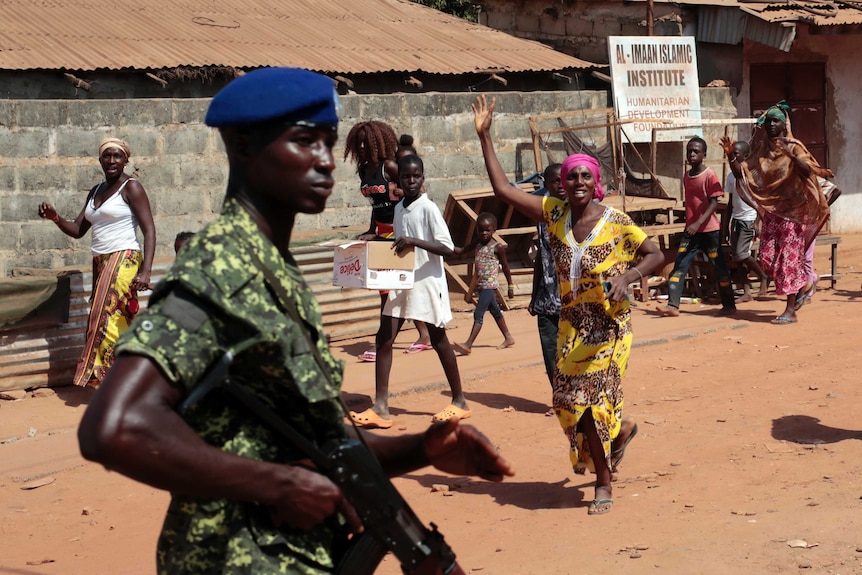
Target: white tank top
[(113, 224)]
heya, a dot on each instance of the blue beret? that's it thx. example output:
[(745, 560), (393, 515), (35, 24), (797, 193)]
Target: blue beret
[(287, 94)]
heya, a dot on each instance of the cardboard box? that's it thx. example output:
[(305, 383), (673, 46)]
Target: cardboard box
[(372, 265)]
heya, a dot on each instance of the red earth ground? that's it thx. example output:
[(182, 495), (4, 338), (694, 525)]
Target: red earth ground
[(748, 458)]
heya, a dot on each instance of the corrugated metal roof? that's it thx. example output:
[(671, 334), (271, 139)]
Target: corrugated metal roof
[(814, 12), (727, 25), (332, 36)]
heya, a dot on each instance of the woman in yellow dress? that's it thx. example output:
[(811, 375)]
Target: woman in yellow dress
[(598, 252)]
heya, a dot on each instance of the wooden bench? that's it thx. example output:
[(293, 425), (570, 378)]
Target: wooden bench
[(822, 240), (663, 232), (833, 241)]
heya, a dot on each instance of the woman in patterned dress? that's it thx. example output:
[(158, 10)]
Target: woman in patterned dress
[(780, 179), (596, 251), (114, 210)]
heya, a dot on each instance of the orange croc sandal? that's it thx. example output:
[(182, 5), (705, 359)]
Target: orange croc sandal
[(451, 411), (370, 419)]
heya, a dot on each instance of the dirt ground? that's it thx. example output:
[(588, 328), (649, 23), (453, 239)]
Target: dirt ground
[(748, 458)]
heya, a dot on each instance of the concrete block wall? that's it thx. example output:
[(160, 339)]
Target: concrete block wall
[(48, 153), (580, 27)]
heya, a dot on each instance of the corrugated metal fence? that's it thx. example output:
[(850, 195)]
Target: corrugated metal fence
[(45, 355)]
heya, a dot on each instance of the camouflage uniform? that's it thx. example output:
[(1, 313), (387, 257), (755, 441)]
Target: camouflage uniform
[(213, 299)]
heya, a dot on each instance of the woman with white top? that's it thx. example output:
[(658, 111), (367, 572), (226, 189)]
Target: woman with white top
[(114, 210)]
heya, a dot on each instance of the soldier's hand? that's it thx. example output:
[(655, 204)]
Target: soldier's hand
[(305, 498), (463, 450)]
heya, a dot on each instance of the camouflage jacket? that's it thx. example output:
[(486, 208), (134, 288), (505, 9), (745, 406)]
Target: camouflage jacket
[(216, 298)]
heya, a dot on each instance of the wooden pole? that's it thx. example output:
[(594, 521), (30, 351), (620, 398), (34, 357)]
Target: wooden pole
[(653, 159), (537, 155), (650, 18)]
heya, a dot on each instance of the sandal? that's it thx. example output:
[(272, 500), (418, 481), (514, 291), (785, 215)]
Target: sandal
[(369, 355), (600, 506), (784, 320), (451, 411), (417, 347), (370, 419), (617, 455), (804, 298)]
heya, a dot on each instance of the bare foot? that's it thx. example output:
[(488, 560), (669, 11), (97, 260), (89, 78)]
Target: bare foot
[(462, 348), (744, 298), (668, 311), (508, 342)]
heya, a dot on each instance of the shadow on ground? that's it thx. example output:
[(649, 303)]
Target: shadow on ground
[(805, 429), (74, 395), (532, 495)]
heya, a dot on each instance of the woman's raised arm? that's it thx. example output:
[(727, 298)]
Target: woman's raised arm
[(527, 204)]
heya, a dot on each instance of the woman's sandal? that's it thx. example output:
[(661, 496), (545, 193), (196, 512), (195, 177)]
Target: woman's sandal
[(802, 299), (417, 347), (600, 506), (369, 355), (617, 456)]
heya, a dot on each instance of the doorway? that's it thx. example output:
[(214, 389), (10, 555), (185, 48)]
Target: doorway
[(804, 88)]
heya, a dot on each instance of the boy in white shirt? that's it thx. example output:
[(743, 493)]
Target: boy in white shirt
[(742, 220)]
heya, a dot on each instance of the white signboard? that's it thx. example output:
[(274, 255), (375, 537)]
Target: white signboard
[(655, 79)]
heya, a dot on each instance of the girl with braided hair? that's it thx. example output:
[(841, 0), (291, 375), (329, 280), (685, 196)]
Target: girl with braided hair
[(372, 146)]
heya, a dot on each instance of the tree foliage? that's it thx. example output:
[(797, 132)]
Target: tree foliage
[(460, 8)]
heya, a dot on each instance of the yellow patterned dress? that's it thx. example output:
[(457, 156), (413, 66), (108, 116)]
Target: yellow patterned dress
[(595, 335)]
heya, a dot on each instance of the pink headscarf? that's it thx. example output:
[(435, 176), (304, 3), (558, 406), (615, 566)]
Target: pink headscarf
[(588, 161)]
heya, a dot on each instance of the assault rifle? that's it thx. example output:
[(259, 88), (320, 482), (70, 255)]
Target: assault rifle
[(390, 524)]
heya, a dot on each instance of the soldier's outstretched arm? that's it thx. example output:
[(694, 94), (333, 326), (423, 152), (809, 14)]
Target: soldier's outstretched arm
[(131, 426)]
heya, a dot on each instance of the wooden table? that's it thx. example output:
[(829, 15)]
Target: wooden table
[(634, 204)]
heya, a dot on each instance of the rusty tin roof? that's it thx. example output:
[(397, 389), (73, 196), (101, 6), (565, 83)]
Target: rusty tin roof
[(332, 36)]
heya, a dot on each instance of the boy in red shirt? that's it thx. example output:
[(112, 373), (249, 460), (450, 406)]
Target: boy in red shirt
[(702, 192)]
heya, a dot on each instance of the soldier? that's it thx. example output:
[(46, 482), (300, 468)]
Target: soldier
[(244, 500)]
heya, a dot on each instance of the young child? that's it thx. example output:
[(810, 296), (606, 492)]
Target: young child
[(545, 299), (406, 148), (742, 218), (490, 257), (420, 225), (702, 230), (372, 146), (181, 240)]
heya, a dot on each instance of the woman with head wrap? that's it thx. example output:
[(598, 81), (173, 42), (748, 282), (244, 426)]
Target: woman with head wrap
[(598, 252), (114, 209), (779, 178)]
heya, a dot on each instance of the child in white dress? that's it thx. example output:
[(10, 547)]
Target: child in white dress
[(420, 225)]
